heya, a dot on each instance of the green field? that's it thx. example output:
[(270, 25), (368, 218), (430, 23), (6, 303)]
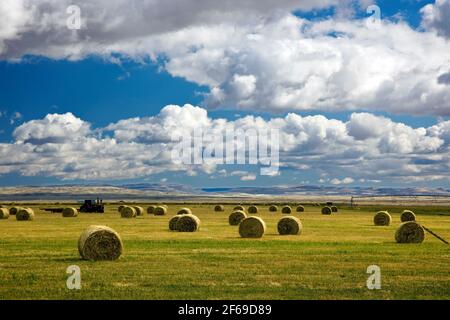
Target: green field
[(327, 261)]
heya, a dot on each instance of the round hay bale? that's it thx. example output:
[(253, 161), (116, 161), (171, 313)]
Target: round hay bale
[(160, 211), (25, 214), (252, 227), (188, 223), (4, 213), (334, 209), (286, 210), (326, 210), (236, 217), (128, 212), (13, 210), (151, 209), (139, 211), (300, 209), (382, 218), (407, 215), (273, 208), (410, 232), (239, 208), (120, 208), (289, 226), (173, 223), (69, 212), (219, 208), (253, 209), (184, 211), (100, 243)]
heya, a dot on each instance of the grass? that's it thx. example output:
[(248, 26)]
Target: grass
[(327, 261)]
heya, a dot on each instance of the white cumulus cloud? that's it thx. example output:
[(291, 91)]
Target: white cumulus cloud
[(66, 147), (436, 16), (253, 55), (346, 180)]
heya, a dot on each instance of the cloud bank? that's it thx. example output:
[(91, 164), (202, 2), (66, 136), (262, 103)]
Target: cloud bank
[(253, 55), (436, 17), (366, 147)]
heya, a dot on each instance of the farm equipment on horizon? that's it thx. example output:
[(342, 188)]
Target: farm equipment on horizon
[(89, 206), (92, 206)]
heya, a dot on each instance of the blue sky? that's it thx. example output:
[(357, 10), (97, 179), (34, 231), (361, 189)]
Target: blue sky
[(409, 10), (40, 86), (104, 88)]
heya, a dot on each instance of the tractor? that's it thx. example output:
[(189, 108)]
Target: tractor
[(95, 206), (90, 206)]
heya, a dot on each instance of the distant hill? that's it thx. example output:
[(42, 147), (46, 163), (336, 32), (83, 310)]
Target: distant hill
[(330, 190), (149, 191)]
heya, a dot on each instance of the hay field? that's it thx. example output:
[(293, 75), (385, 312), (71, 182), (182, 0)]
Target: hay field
[(327, 261)]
